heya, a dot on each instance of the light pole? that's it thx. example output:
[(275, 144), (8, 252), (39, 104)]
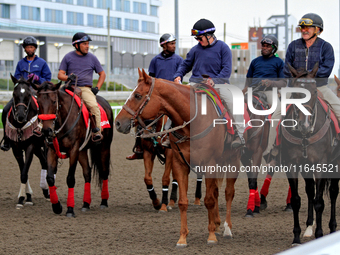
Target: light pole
[(144, 55), (93, 48), (133, 54), (121, 60), (58, 46)]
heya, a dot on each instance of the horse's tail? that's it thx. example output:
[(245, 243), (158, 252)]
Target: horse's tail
[(100, 162)]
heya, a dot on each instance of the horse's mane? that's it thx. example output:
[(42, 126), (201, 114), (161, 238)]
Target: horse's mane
[(46, 85)]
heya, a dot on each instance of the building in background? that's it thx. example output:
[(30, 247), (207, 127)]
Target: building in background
[(134, 30)]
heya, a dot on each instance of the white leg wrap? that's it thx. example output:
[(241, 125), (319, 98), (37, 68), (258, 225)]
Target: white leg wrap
[(22, 190), (227, 231), (28, 188), (43, 182)]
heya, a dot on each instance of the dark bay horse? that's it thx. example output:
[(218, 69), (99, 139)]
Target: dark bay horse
[(21, 122), (307, 148), (257, 141), (65, 131), (191, 142), (152, 148)]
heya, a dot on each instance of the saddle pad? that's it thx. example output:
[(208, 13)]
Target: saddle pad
[(104, 120)]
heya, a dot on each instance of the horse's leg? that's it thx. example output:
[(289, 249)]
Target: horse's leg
[(84, 162), (19, 158), (219, 182), (166, 180), (198, 193), (43, 183), (319, 205), (105, 157), (210, 204), (257, 157), (333, 193), (148, 166), (229, 196), (296, 204), (265, 190), (182, 172), (173, 195), (52, 160), (310, 191)]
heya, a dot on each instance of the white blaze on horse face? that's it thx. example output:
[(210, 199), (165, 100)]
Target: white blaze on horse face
[(22, 91), (297, 101)]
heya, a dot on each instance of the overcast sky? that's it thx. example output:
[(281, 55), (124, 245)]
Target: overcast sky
[(241, 14)]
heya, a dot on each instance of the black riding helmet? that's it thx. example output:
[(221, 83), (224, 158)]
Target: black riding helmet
[(78, 38), (30, 40), (166, 38), (203, 27), (271, 40), (311, 19)]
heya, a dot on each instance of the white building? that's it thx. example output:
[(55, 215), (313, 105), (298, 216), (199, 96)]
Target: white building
[(134, 30)]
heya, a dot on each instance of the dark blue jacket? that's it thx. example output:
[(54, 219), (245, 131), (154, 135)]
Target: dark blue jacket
[(165, 67), (214, 61), (299, 56), (38, 66)]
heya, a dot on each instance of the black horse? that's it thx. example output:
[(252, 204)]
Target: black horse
[(19, 125), (308, 148), (65, 131)]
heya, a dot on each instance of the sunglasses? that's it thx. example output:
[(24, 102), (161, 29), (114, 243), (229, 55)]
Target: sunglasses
[(267, 40), (200, 32), (306, 22), (83, 39), (199, 38)]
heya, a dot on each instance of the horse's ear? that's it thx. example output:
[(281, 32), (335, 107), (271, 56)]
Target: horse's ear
[(315, 69), (140, 73), (292, 70), (15, 80), (147, 78), (337, 80), (57, 86), (30, 80)]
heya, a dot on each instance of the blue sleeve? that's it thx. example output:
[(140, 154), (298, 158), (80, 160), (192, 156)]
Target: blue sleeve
[(45, 74), (250, 72), (17, 73), (186, 65), (280, 70), (290, 55), (226, 62), (327, 61), (152, 68)]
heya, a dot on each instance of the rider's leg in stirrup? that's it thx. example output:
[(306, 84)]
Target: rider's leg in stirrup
[(5, 143)]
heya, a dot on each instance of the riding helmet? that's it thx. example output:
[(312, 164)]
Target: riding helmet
[(203, 26), (271, 40), (30, 40), (167, 38), (80, 37), (311, 19)]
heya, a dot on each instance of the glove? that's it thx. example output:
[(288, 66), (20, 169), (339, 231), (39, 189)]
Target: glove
[(71, 77), (95, 90), (35, 77)]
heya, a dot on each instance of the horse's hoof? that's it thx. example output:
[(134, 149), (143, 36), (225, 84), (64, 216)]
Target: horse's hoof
[(29, 203), (288, 208), (308, 232), (85, 209), (57, 208), (249, 214), (181, 245), (263, 206), (256, 210), (197, 201), (211, 242), (19, 206), (103, 207), (169, 207), (296, 244), (70, 215), (227, 237)]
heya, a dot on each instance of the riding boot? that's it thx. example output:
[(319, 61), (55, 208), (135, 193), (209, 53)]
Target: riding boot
[(166, 142), (137, 150), (6, 145), (96, 135), (238, 140)]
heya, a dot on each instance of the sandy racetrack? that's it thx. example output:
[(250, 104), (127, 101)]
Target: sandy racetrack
[(130, 225)]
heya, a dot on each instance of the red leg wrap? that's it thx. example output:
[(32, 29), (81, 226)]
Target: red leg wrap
[(289, 196), (53, 195), (87, 193), (257, 198), (70, 198), (251, 200), (265, 186), (105, 189)]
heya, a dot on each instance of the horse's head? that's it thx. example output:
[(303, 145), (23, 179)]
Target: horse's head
[(137, 107), (22, 96), (47, 94), (305, 79)]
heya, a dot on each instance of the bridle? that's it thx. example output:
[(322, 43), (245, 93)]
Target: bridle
[(15, 106)]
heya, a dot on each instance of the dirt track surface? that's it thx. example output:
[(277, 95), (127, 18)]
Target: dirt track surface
[(130, 225)]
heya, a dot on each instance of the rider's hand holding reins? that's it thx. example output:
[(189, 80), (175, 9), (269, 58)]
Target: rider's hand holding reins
[(35, 77), (95, 90)]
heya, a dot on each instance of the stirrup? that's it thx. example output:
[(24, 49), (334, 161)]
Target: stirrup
[(5, 146)]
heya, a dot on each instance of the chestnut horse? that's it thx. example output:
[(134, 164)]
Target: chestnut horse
[(152, 147), (308, 148), (194, 141), (65, 131), (21, 122)]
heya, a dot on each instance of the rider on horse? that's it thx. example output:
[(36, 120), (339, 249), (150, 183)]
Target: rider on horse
[(211, 57), (81, 63), (29, 66)]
